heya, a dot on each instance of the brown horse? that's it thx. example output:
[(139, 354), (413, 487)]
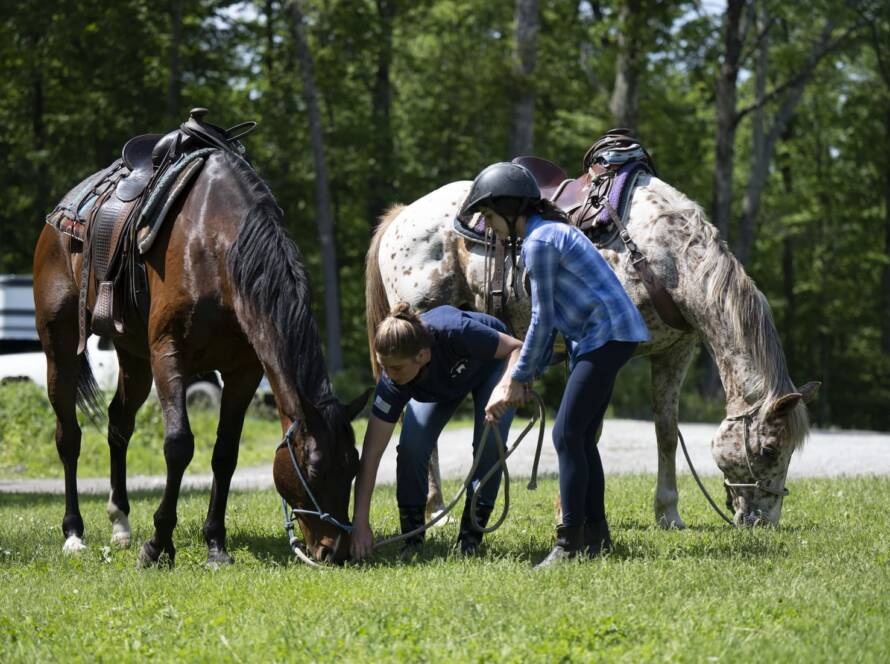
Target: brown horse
[(228, 291)]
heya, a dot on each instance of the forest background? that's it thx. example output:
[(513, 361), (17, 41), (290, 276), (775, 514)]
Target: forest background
[(775, 116)]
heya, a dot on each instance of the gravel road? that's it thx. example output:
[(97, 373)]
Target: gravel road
[(627, 446)]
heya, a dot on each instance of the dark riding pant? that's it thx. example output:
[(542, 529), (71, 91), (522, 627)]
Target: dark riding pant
[(583, 406), (420, 432)]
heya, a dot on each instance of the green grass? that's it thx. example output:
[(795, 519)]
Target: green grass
[(818, 588), (27, 438)]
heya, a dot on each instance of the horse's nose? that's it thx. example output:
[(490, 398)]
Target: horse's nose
[(324, 554)]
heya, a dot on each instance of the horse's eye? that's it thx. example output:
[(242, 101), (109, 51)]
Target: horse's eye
[(770, 452)]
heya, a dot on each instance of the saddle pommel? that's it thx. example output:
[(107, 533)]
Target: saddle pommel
[(198, 113)]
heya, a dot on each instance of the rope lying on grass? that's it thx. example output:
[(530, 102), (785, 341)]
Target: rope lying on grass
[(503, 454)]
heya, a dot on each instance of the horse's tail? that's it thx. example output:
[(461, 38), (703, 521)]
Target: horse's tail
[(376, 301), (87, 394)]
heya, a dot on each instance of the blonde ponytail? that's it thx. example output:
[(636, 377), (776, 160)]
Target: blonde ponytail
[(401, 333)]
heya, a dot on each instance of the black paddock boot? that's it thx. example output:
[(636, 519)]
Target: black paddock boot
[(569, 543), (597, 539), (468, 538), (411, 518)]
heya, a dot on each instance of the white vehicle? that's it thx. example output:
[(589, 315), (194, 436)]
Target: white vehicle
[(21, 357)]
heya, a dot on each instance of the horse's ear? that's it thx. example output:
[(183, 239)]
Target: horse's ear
[(357, 405), (810, 391), (784, 404)]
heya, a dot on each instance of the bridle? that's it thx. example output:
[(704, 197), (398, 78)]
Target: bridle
[(757, 483), (295, 511)]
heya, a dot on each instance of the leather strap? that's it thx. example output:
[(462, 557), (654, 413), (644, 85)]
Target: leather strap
[(664, 304), (498, 294)]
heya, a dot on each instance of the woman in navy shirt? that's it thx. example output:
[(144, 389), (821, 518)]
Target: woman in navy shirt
[(431, 362)]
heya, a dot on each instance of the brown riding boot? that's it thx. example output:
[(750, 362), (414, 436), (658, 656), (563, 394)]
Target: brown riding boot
[(569, 543), (597, 539), (468, 538)]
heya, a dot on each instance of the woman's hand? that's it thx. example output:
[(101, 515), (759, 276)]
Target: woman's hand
[(505, 396), (362, 542)]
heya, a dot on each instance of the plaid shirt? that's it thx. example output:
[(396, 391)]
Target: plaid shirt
[(574, 292)]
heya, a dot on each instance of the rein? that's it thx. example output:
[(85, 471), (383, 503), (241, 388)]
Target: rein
[(503, 454), (295, 544), (758, 483)]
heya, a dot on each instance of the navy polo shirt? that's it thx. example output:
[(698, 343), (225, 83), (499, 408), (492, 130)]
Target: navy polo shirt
[(462, 355)]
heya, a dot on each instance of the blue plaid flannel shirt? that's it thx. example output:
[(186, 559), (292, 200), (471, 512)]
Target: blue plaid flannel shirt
[(575, 292)]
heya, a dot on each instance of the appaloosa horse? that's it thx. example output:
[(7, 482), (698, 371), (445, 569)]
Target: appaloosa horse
[(417, 256), (228, 291)]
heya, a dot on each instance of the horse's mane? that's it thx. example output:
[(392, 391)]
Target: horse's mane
[(268, 273), (732, 296)]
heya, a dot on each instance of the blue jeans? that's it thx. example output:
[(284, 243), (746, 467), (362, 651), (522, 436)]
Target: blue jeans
[(588, 390), (420, 432)]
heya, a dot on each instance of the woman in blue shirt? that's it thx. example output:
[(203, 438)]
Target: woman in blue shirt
[(431, 362), (573, 291)]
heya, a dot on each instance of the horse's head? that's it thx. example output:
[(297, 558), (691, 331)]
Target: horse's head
[(754, 448), (324, 451)]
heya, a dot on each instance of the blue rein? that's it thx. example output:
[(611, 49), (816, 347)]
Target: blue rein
[(318, 512)]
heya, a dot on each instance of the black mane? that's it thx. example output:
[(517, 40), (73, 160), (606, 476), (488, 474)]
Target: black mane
[(268, 272)]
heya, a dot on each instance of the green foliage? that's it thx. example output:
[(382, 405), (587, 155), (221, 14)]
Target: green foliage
[(814, 589), (414, 95)]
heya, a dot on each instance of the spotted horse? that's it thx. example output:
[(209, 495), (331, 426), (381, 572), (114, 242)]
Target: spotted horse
[(422, 255)]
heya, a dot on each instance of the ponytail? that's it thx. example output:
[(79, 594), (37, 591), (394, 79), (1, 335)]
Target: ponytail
[(401, 333)]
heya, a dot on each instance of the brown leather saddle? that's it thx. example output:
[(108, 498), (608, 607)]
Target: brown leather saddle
[(108, 205), (586, 202)]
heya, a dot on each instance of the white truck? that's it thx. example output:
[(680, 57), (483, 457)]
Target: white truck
[(21, 357)]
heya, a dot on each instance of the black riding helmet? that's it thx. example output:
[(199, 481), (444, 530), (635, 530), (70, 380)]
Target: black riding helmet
[(506, 188)]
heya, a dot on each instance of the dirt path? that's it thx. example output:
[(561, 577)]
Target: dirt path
[(628, 446)]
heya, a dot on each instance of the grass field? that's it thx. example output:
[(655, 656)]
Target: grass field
[(816, 589)]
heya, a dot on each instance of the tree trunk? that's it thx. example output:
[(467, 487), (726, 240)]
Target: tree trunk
[(759, 160), (173, 82), (525, 48), (885, 273), (765, 143), (322, 193), (624, 103), (726, 115), (269, 55), (790, 317), (380, 178)]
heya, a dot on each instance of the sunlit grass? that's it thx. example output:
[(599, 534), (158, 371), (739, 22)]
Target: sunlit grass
[(815, 589)]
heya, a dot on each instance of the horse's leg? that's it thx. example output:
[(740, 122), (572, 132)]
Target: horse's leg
[(133, 386), (55, 295), (179, 447), (238, 390), (668, 372), (62, 372), (434, 500)]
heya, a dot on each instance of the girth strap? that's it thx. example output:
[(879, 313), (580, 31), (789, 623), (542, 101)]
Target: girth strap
[(664, 304)]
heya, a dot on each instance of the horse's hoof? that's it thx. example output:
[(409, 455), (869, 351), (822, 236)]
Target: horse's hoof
[(151, 555), (120, 539), (73, 545), (218, 557), (670, 521)]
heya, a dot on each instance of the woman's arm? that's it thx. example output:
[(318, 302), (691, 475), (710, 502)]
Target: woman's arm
[(376, 439), (508, 392)]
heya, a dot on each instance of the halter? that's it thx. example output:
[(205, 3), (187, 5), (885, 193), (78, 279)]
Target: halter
[(317, 512), (758, 483)]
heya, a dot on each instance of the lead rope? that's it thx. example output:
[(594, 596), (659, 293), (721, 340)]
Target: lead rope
[(503, 455), (699, 482)]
